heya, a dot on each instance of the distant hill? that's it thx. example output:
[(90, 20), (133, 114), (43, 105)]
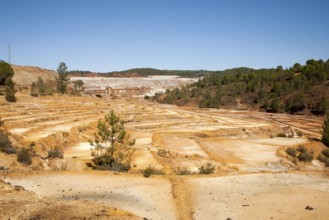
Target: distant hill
[(25, 75), (299, 89), (151, 72), (144, 72)]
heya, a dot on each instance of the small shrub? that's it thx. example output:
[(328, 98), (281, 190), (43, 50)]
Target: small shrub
[(282, 135), (183, 171), (323, 158), (49, 91), (4, 141), (300, 154), (24, 157), (163, 153), (107, 162), (306, 157), (291, 152), (295, 160), (325, 152), (121, 166), (80, 129), (301, 149), (34, 90), (151, 170), (300, 133), (55, 153), (207, 168), (146, 97)]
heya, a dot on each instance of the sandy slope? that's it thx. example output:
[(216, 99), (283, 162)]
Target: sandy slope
[(261, 196), (146, 197), (25, 75), (17, 203)]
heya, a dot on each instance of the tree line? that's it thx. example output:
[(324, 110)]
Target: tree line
[(144, 72)]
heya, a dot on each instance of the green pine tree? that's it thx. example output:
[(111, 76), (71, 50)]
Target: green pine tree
[(41, 86), (10, 90), (63, 78), (34, 90), (112, 145)]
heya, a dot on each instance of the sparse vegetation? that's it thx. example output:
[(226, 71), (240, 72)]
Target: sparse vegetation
[(300, 133), (23, 156), (183, 171), (34, 90), (4, 141), (325, 152), (151, 170), (164, 153), (112, 145), (207, 168), (300, 154), (282, 135), (55, 153), (301, 149), (41, 86), (75, 92), (324, 157), (306, 157), (291, 152), (78, 84), (325, 132), (5, 144)]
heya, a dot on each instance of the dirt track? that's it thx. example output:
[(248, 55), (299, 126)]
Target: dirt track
[(236, 142)]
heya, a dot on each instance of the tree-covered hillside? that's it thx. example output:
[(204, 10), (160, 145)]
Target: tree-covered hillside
[(299, 89)]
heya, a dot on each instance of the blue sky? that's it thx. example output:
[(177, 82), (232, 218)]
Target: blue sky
[(108, 35)]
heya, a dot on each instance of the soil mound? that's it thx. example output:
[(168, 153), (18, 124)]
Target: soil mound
[(25, 75)]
